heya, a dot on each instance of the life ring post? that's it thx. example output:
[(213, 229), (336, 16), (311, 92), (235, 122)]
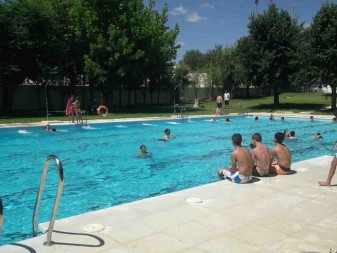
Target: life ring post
[(102, 110)]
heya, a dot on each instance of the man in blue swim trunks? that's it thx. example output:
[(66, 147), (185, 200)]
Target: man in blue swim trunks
[(242, 163)]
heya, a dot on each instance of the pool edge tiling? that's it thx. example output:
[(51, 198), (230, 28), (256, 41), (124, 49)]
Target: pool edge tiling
[(275, 214)]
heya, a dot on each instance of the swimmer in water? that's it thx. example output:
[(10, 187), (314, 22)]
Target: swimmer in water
[(143, 152), (49, 129), (167, 136), (227, 121), (318, 136)]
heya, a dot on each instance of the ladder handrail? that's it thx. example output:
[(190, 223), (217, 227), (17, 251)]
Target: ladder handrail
[(57, 199), (1, 215)]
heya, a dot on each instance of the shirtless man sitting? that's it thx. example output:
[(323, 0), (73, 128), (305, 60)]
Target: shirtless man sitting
[(260, 155), (242, 164), (281, 151)]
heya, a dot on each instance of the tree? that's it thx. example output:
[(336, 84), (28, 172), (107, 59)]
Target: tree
[(194, 59), (323, 42), (130, 47), (247, 69), (28, 47), (274, 33)]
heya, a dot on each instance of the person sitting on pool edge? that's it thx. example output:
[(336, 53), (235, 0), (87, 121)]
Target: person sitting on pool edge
[(281, 151), (260, 155), (143, 152), (167, 136), (49, 129), (242, 164)]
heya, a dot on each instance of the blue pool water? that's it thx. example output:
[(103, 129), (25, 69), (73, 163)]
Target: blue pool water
[(100, 169)]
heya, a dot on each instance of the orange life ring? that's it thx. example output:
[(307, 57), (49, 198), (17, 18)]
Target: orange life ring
[(104, 109)]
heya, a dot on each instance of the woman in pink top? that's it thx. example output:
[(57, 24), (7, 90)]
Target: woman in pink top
[(70, 108)]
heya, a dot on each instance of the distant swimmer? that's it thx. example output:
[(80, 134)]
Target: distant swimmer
[(286, 134), (282, 119), (143, 152), (228, 121), (292, 136), (167, 133), (49, 128), (256, 118), (312, 118), (271, 117), (318, 136)]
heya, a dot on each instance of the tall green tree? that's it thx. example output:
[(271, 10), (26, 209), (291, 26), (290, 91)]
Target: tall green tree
[(323, 42), (28, 45), (274, 32), (134, 48)]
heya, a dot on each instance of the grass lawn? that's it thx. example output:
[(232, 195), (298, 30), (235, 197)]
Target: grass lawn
[(311, 102)]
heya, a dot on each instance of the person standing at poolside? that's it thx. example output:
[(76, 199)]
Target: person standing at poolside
[(242, 164), (77, 109), (260, 155), (70, 108), (227, 97), (281, 151), (332, 171), (218, 105)]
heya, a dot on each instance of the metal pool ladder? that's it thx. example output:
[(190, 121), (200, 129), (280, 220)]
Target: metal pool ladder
[(57, 199), (1, 215)]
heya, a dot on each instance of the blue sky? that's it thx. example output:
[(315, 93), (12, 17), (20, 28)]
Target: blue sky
[(206, 23)]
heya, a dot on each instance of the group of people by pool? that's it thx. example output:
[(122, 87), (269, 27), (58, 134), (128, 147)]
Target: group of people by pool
[(260, 162)]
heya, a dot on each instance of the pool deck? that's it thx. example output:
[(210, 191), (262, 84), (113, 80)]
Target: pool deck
[(274, 214)]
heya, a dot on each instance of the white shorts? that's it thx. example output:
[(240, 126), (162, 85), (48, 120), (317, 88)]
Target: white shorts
[(235, 177)]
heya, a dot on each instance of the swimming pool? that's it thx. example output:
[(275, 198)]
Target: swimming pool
[(100, 169)]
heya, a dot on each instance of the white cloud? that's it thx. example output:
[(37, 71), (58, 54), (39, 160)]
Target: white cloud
[(178, 11), (181, 43), (194, 17), (207, 5)]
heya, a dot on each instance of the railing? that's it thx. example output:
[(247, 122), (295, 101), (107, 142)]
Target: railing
[(1, 215), (57, 199)]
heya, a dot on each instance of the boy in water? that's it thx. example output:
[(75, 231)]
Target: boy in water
[(242, 164), (167, 136), (143, 152)]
